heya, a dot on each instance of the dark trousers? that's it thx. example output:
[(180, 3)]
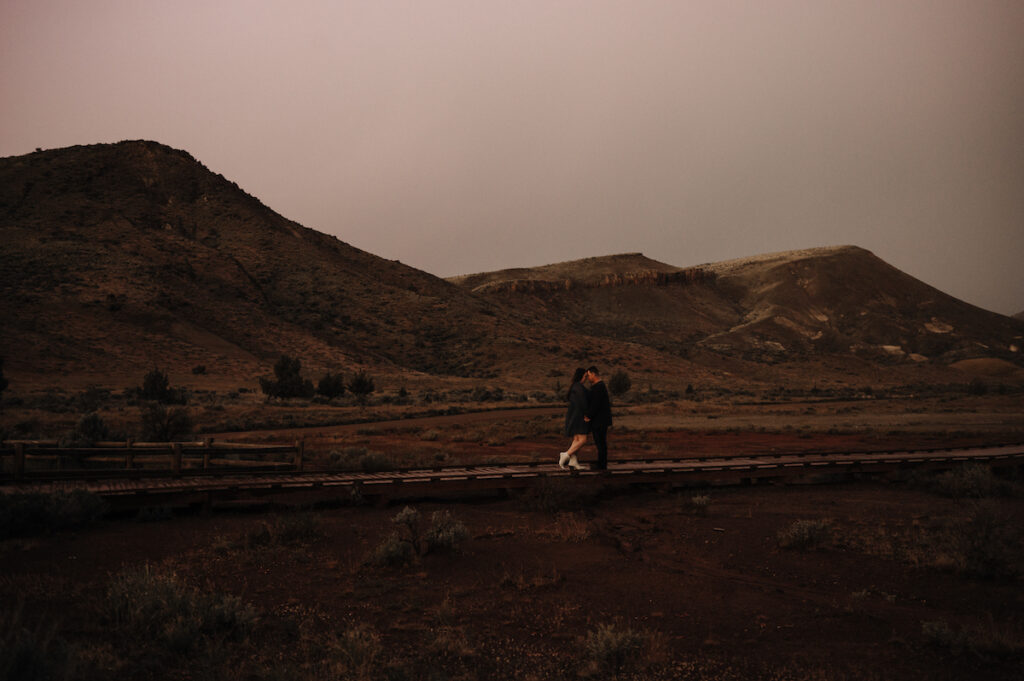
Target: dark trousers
[(601, 442)]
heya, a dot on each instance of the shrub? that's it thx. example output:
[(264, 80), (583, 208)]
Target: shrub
[(700, 504), (804, 534), (613, 651), (287, 381), (361, 385), (89, 430), (157, 387), (445, 533), (159, 608), (31, 514), (355, 654), (619, 383), (163, 424), (199, 370), (409, 541), (331, 385), (395, 551)]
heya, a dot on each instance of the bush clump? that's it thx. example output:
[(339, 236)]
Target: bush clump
[(159, 609), (156, 386), (89, 430), (331, 385), (287, 381), (445, 533), (619, 383), (612, 651), (405, 545), (361, 385)]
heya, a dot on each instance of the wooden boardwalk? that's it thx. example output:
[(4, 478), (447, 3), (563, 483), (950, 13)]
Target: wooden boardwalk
[(143, 487)]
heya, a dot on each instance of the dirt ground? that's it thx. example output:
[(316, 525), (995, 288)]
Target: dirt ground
[(704, 582), (707, 586)]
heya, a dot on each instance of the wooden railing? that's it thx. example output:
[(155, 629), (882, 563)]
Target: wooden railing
[(24, 459)]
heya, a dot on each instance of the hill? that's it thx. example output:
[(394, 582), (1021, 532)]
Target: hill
[(118, 258), (122, 257), (773, 308)]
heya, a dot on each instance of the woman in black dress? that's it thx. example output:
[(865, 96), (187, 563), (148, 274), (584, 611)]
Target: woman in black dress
[(575, 426)]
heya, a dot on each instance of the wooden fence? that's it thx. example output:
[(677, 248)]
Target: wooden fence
[(34, 459)]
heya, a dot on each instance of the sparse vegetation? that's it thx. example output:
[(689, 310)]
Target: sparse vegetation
[(165, 616), (805, 534)]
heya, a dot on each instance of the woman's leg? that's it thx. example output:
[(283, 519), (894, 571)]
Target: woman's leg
[(577, 442)]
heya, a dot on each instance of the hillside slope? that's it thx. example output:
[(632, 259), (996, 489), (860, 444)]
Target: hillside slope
[(771, 308), (121, 257)]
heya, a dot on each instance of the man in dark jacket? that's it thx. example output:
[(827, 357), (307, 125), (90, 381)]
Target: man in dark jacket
[(599, 416)]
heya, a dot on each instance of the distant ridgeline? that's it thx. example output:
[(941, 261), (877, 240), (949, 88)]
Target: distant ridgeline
[(692, 275)]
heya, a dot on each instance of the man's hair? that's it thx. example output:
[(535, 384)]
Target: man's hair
[(594, 370)]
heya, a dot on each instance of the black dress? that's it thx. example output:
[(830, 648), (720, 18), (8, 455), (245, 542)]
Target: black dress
[(574, 423)]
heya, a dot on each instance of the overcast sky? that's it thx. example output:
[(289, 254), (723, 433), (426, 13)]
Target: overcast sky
[(466, 136)]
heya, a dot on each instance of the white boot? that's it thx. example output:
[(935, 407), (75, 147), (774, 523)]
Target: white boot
[(563, 457), (573, 463)]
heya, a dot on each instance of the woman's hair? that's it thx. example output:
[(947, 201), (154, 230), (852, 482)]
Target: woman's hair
[(577, 376)]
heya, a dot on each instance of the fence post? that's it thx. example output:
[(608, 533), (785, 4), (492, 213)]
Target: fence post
[(300, 446), (129, 455), (207, 442), (176, 459), (19, 460)]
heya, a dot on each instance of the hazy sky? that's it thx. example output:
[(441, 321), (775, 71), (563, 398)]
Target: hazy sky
[(465, 136)]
